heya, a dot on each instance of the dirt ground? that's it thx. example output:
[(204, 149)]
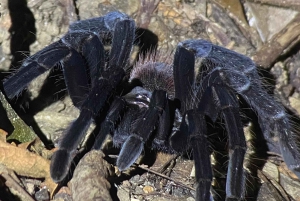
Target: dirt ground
[(265, 30)]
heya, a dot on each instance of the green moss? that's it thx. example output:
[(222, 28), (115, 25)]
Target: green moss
[(22, 132)]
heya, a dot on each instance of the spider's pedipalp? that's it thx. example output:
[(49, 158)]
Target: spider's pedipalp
[(163, 128), (141, 131)]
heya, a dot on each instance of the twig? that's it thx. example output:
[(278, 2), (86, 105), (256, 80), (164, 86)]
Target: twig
[(13, 185), (291, 4), (69, 9), (274, 185), (270, 51), (145, 13), (166, 177), (167, 164)]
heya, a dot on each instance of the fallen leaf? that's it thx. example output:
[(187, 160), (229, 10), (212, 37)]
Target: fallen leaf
[(25, 163), (3, 135), (234, 7)]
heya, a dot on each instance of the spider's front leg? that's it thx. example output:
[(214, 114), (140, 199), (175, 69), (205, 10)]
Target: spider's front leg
[(34, 66), (102, 88), (223, 99), (213, 98), (192, 131)]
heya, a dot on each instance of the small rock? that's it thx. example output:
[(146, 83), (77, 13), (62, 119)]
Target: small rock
[(148, 189)]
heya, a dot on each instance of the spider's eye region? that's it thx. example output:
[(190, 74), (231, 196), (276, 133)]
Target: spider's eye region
[(140, 100), (143, 96), (139, 96)]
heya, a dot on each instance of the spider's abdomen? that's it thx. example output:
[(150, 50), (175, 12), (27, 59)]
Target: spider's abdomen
[(154, 75)]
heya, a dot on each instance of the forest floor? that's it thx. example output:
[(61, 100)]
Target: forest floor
[(267, 31)]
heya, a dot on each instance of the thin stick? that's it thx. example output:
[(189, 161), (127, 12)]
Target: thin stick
[(166, 177)]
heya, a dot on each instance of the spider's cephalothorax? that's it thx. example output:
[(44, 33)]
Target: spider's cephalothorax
[(151, 110)]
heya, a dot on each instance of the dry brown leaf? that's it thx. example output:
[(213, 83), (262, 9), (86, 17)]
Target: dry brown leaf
[(285, 170), (25, 145), (3, 135), (25, 163), (234, 7)]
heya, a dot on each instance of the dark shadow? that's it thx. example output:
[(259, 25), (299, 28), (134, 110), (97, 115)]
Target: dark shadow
[(256, 160), (22, 30), (23, 34), (218, 138), (290, 53), (146, 40), (53, 89), (5, 193), (5, 124)]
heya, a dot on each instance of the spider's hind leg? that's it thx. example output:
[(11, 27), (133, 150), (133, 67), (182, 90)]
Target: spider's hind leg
[(271, 115), (273, 118)]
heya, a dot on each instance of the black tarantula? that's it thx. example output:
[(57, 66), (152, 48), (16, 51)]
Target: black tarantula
[(205, 79)]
